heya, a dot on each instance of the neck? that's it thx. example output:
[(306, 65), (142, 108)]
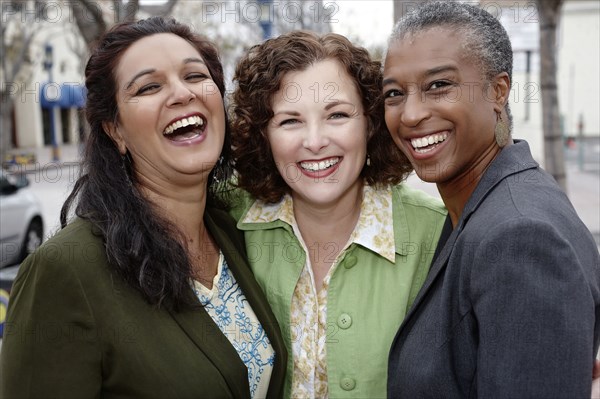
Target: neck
[(184, 209), (184, 205), (456, 192), (322, 222), (326, 228)]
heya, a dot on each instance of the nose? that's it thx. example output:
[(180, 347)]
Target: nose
[(315, 138), (181, 94), (415, 110)]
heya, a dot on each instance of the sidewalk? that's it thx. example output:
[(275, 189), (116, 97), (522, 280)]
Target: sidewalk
[(43, 157)]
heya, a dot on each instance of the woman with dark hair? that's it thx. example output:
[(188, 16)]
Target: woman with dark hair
[(147, 292), (511, 306), (339, 246)]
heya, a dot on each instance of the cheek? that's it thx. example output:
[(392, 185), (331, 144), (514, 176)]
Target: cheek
[(209, 92), (390, 119), (281, 154), (136, 114)]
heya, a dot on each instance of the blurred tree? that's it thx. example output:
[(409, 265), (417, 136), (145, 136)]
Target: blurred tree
[(554, 163), (94, 17)]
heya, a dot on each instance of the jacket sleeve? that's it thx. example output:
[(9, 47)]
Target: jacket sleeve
[(50, 340), (535, 309)]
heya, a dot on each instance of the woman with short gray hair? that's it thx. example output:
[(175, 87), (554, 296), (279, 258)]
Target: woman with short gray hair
[(511, 303)]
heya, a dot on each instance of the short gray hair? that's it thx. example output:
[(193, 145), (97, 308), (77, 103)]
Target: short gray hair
[(486, 42)]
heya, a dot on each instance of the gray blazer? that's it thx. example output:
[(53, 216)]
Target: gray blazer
[(511, 306)]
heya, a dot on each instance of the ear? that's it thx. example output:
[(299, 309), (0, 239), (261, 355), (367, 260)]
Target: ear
[(501, 91), (111, 129)]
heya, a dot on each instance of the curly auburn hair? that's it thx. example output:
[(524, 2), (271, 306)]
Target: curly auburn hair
[(259, 75)]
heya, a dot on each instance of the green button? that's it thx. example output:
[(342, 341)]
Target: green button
[(347, 383), (344, 321), (350, 262)]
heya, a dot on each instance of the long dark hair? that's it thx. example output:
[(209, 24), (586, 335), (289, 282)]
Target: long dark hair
[(142, 246)]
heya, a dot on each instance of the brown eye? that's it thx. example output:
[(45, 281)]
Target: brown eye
[(147, 88), (438, 84), (196, 77), (392, 93)]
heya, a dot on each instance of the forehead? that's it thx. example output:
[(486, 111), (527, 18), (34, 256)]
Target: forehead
[(325, 80), (156, 51), (427, 48)]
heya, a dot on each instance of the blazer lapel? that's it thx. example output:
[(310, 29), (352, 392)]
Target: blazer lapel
[(436, 268), (203, 331)]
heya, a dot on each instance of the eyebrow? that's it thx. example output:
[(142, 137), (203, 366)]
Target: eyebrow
[(152, 70), (336, 102), (284, 112), (429, 72), (327, 107)]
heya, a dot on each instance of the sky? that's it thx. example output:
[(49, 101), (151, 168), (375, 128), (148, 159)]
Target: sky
[(368, 21)]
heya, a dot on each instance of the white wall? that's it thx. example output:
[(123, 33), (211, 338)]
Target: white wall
[(579, 66)]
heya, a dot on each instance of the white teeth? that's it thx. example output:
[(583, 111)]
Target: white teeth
[(428, 140), (318, 166), (192, 120)]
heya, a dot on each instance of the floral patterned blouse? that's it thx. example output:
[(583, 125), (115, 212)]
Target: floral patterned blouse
[(229, 309), (374, 230)]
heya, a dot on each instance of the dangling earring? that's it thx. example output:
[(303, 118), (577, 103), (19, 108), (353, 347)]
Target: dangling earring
[(219, 171), (368, 160), (501, 131)]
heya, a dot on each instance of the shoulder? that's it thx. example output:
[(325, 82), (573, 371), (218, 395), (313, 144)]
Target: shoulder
[(240, 201), (418, 202), (78, 244), (60, 270)]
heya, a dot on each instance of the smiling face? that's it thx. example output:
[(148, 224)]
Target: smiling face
[(439, 109), (171, 114), (318, 134)]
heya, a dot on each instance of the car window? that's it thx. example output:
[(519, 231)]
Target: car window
[(5, 185)]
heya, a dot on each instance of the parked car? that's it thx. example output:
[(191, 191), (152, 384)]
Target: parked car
[(21, 223)]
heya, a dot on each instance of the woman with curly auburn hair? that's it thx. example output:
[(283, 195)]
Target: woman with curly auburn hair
[(338, 244)]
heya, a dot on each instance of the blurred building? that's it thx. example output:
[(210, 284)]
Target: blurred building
[(236, 25), (34, 95), (579, 68)]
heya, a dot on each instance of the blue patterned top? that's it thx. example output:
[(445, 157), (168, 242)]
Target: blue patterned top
[(228, 307)]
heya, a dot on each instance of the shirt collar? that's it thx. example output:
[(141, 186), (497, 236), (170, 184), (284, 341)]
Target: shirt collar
[(374, 229)]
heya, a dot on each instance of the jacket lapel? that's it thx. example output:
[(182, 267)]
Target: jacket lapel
[(203, 331), (435, 269)]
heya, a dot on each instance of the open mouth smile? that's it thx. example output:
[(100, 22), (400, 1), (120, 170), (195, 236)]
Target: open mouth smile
[(319, 166), (427, 143), (186, 128)]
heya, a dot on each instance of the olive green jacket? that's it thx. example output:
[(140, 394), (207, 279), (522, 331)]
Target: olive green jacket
[(368, 295), (74, 329)]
